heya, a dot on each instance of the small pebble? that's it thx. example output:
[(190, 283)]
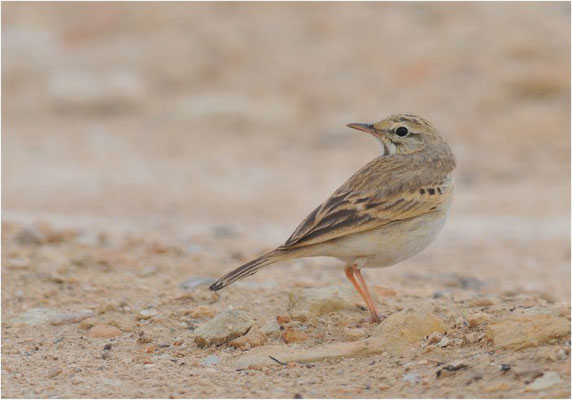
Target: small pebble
[(411, 378), (36, 316), (270, 328), (210, 360), (72, 318), (144, 339), (546, 381), (148, 313), (53, 372), (195, 282), (106, 354), (202, 312), (435, 337), (294, 336), (223, 328), (283, 319), (253, 338), (353, 334), (478, 318), (103, 331), (444, 342)]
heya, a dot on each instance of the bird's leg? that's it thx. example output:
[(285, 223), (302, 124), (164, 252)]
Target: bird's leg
[(350, 270), (375, 316)]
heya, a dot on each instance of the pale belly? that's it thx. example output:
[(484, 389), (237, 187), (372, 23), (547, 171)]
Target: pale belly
[(385, 246)]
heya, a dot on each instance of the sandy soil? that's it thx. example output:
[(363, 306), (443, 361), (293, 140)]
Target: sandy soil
[(144, 145)]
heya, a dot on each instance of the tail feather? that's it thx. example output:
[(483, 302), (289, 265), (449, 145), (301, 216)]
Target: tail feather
[(248, 269)]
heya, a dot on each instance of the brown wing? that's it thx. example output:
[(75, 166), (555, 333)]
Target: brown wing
[(372, 198)]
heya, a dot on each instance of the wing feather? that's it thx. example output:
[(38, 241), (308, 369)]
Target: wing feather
[(373, 197)]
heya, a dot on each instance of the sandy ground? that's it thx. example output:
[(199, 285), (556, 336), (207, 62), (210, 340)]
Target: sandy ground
[(145, 145)]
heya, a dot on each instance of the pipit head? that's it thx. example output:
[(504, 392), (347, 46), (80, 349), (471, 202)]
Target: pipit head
[(403, 134)]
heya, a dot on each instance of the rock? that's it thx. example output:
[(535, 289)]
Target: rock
[(36, 316), (210, 360), (473, 337), (283, 319), (106, 354), (121, 321), (195, 282), (316, 302), (478, 318), (435, 337), (481, 302), (147, 313), (223, 328), (294, 336), (253, 338), (270, 328), (400, 330), (546, 381), (522, 331), (103, 331), (353, 334), (528, 375), (72, 318), (107, 306), (505, 367), (260, 356), (202, 312), (551, 353), (411, 378), (53, 372), (444, 342), (143, 339)]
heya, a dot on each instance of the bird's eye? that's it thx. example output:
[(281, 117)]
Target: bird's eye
[(401, 131)]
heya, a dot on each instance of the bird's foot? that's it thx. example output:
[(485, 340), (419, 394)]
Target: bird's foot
[(377, 318)]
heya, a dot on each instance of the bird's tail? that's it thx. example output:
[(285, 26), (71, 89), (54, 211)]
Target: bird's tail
[(250, 268)]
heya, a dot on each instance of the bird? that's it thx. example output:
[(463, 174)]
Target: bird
[(388, 211)]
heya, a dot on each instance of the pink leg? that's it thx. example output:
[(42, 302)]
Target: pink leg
[(362, 290), (375, 317)]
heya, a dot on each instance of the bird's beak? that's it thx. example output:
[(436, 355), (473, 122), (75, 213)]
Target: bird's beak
[(363, 127)]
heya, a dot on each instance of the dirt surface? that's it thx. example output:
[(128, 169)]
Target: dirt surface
[(146, 146)]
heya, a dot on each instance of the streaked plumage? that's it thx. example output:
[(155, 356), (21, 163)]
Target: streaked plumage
[(388, 211)]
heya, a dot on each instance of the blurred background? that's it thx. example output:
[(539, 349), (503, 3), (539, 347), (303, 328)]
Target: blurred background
[(192, 118)]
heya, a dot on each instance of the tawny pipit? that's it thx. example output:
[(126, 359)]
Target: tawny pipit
[(388, 211)]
